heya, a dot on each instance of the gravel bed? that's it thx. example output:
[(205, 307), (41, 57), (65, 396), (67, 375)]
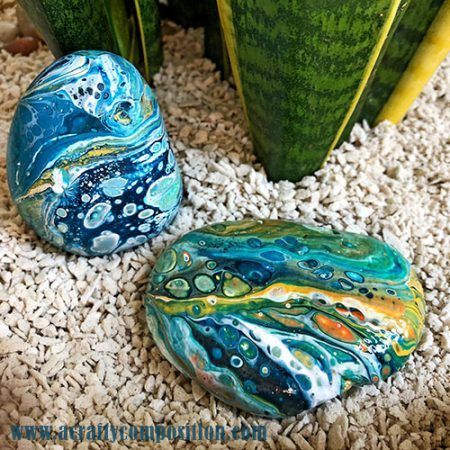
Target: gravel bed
[(74, 345)]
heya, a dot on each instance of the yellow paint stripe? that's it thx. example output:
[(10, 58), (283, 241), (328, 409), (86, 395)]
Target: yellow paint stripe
[(226, 20), (280, 293), (431, 52), (46, 181), (395, 5)]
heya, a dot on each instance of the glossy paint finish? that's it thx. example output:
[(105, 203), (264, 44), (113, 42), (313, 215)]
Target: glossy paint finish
[(90, 166), (277, 317)]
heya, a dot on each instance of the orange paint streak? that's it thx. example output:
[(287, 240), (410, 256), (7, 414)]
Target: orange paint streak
[(410, 333), (197, 362), (358, 314), (334, 328), (289, 322)]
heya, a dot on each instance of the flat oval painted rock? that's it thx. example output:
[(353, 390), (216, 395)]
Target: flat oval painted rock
[(90, 166), (276, 317)]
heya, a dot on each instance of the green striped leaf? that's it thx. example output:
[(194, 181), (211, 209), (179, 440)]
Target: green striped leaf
[(401, 49), (119, 23), (69, 25), (432, 51), (149, 30), (128, 28), (369, 88), (301, 68)]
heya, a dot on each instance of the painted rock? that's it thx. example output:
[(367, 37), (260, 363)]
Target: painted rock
[(276, 317), (90, 166)]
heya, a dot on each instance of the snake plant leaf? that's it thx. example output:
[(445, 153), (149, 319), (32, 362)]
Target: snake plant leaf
[(301, 68), (422, 39), (70, 25), (147, 16), (370, 88), (402, 47), (128, 28), (133, 54), (215, 48), (120, 24)]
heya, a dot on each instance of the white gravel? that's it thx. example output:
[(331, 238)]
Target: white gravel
[(74, 345)]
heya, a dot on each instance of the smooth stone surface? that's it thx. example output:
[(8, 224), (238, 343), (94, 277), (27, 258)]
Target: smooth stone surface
[(90, 165), (276, 317)]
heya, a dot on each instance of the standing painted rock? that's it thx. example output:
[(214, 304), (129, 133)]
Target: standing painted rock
[(90, 166), (276, 317)]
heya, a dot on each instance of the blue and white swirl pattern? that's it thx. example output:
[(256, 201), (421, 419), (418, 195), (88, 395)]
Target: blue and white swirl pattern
[(90, 165)]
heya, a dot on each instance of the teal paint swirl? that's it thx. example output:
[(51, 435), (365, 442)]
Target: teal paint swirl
[(88, 140), (276, 317)]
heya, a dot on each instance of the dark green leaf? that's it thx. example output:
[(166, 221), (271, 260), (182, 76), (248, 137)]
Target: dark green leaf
[(147, 17), (120, 25), (302, 67), (70, 25)]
